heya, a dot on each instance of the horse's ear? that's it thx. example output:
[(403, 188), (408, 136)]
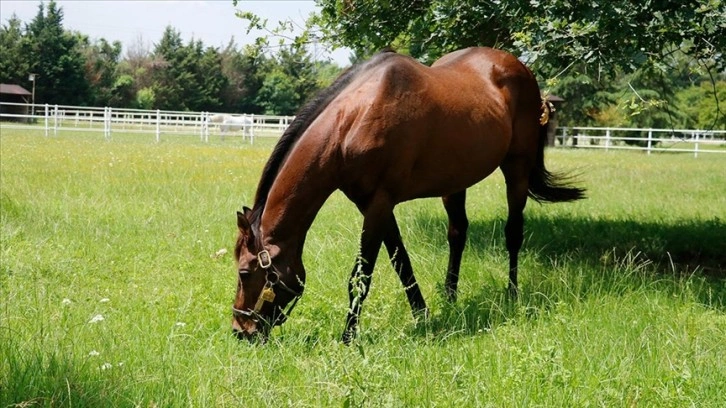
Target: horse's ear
[(243, 223)]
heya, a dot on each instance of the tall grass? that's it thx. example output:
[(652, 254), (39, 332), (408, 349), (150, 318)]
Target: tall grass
[(114, 293)]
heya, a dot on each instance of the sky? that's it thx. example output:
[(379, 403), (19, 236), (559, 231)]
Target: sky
[(213, 22)]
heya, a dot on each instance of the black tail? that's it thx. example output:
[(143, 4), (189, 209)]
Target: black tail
[(550, 187)]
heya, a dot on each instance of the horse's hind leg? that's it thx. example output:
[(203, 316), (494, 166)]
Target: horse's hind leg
[(516, 175), (402, 265), (455, 206)]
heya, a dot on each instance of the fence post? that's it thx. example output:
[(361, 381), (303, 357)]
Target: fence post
[(607, 139), (205, 126), (107, 124), (158, 125), (45, 114), (695, 148), (252, 129), (564, 136), (201, 126), (650, 139), (55, 120)]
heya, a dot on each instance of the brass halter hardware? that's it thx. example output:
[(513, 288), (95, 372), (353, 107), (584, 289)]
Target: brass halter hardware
[(272, 279)]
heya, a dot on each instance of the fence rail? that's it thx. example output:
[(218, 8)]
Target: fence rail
[(52, 118), (650, 140)]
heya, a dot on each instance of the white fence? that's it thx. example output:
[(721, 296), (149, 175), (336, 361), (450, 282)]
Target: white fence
[(52, 118), (649, 140)]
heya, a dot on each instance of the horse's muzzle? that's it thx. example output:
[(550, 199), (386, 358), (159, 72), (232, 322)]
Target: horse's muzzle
[(253, 336)]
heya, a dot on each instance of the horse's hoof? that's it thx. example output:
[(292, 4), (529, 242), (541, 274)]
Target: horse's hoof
[(513, 292), (348, 337)]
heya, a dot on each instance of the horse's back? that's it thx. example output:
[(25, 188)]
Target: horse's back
[(418, 131)]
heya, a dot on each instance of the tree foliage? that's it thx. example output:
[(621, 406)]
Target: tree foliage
[(101, 61), (43, 47), (550, 35), (13, 66), (171, 75)]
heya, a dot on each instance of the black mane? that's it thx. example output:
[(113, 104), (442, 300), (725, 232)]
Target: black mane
[(305, 116)]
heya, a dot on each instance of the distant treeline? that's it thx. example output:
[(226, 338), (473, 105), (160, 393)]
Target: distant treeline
[(74, 70)]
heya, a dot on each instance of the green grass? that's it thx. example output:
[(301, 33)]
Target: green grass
[(111, 294)]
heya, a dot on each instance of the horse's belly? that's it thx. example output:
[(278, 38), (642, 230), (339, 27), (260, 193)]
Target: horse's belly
[(445, 181), (451, 167)]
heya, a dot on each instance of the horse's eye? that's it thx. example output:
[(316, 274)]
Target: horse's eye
[(243, 273)]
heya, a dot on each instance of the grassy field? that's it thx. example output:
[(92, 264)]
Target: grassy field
[(112, 293)]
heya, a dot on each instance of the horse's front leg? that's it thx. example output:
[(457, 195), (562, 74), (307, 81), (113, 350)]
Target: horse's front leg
[(455, 206), (402, 265), (376, 221)]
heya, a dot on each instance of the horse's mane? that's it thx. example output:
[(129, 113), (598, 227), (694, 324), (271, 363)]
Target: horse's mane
[(304, 117)]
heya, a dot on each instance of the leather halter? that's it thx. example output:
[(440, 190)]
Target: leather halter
[(272, 281)]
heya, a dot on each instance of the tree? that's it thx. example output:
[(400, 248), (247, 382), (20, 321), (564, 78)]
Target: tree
[(699, 106), (135, 75), (167, 77), (245, 72), (550, 35), (296, 63), (189, 77), (56, 56), (277, 95), (14, 67), (616, 61), (101, 69), (648, 97)]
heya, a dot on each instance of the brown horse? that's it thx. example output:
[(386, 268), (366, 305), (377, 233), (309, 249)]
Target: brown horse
[(387, 131)]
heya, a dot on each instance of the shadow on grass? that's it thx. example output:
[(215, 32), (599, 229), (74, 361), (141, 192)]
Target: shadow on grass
[(588, 257), (696, 247)]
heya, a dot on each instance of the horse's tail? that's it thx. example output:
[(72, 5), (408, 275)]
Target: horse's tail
[(543, 185)]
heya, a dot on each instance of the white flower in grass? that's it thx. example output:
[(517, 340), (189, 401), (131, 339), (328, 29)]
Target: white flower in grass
[(95, 319), (180, 324), (105, 300), (66, 302), (94, 353), (106, 366)]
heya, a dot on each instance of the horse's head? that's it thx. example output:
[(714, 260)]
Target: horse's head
[(266, 283)]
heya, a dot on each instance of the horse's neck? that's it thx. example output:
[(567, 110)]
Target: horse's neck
[(302, 186)]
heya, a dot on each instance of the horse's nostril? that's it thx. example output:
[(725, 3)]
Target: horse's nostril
[(252, 337), (243, 335)]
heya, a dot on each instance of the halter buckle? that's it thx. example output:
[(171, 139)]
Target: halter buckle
[(264, 259)]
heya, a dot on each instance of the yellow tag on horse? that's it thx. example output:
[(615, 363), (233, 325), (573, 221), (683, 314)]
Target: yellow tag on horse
[(268, 295)]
